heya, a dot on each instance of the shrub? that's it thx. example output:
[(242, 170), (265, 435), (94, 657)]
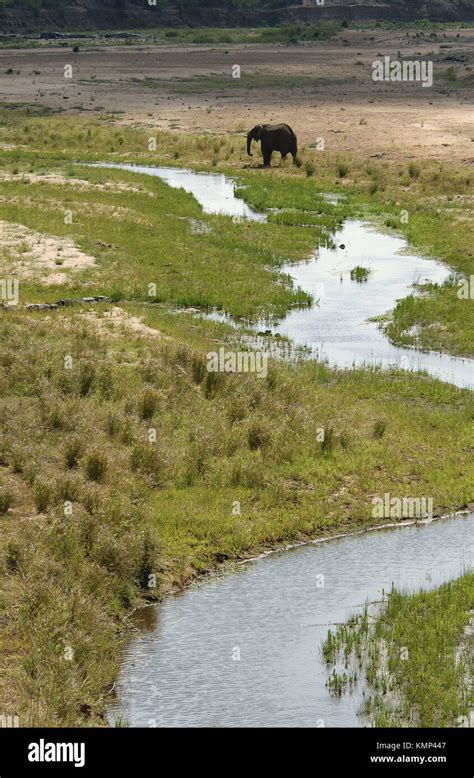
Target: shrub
[(148, 403), (17, 460), (236, 409), (86, 379), (379, 429), (413, 170), (360, 274), (212, 382), (309, 169), (13, 556), (147, 458), (113, 424), (6, 500), (198, 369), (96, 466), (257, 435), (344, 440), (72, 453), (90, 499), (147, 561), (67, 488), (109, 554), (54, 418), (329, 440), (343, 169), (43, 496)]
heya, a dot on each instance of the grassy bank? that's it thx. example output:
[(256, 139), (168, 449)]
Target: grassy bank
[(93, 507), (417, 657), (126, 468)]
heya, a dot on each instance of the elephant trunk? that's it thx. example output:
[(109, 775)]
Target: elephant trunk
[(249, 143)]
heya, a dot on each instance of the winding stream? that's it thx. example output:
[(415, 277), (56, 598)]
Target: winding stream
[(274, 613), (336, 328), (245, 649)]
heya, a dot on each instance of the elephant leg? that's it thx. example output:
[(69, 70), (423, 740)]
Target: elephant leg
[(267, 156)]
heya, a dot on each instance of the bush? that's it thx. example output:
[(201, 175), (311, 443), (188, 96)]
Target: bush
[(148, 403), (309, 169), (113, 424), (329, 440), (236, 409), (343, 169), (257, 435), (379, 429), (54, 418), (374, 187), (360, 274), (198, 369), (147, 561), (43, 496), (212, 382), (13, 557), (86, 379), (96, 466), (6, 500), (413, 170), (72, 453), (17, 460), (147, 458)]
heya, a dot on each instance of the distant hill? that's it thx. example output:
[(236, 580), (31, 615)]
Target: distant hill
[(43, 15)]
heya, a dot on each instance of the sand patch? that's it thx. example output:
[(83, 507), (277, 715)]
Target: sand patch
[(119, 322), (58, 179), (28, 254)]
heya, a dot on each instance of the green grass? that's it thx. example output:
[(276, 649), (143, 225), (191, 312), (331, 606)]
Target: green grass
[(360, 274), (208, 454), (149, 450), (416, 658)]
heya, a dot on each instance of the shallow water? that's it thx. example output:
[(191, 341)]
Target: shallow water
[(214, 191), (336, 327), (180, 670)]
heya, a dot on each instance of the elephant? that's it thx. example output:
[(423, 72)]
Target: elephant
[(274, 137)]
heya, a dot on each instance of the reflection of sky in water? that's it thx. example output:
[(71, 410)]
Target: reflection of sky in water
[(213, 191), (180, 672), (336, 328)]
